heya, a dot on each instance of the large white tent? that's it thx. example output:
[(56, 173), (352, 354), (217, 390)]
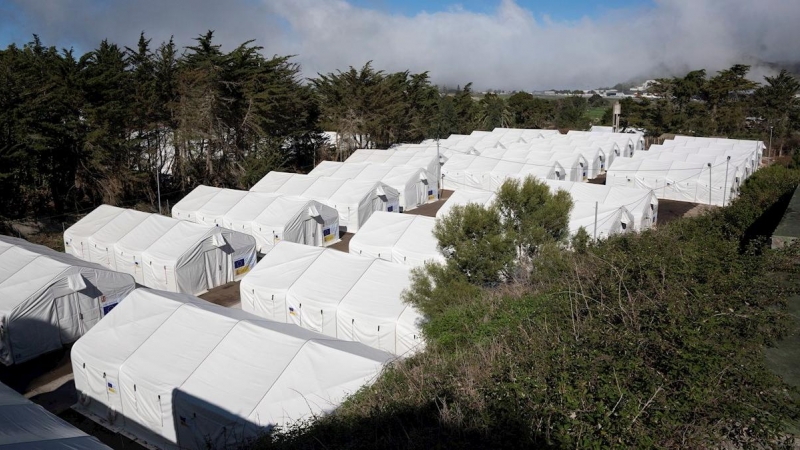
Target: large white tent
[(174, 371), (678, 180), (400, 238), (463, 197), (641, 203), (162, 252), (355, 200), (598, 220), (481, 172), (425, 159), (26, 425), (690, 169), (338, 294), (49, 299), (415, 186), (269, 218)]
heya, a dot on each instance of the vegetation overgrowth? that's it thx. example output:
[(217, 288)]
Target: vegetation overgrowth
[(649, 340)]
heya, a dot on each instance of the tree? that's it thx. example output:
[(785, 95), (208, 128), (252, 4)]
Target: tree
[(473, 242), (493, 113), (571, 113), (777, 103), (597, 101), (532, 216)]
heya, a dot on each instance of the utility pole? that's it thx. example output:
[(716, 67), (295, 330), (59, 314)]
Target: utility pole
[(770, 140), (596, 205), (725, 188), (158, 178), (709, 183)]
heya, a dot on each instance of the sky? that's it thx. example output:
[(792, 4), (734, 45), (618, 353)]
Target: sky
[(498, 44)]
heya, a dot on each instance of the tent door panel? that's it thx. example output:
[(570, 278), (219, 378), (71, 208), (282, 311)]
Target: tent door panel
[(311, 234), (68, 312), (89, 311), (214, 260)]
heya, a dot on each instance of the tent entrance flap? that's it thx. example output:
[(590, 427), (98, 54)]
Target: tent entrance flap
[(76, 314), (214, 261)]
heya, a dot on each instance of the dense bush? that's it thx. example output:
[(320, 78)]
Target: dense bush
[(647, 340)]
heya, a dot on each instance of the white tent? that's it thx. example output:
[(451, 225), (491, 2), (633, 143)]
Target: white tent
[(641, 203), (199, 196), (355, 200), (338, 294), (678, 180), (161, 252), (611, 218), (600, 221), (49, 299), (174, 371), (415, 186), (399, 238), (26, 425), (425, 159), (269, 218), (463, 197)]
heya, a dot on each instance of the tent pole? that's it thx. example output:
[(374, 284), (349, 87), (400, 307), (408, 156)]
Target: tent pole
[(158, 180), (725, 188), (596, 204), (709, 183)]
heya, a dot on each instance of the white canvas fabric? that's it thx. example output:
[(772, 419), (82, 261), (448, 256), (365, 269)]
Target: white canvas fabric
[(399, 238), (178, 372), (49, 299), (698, 170), (76, 237), (272, 218), (188, 206), (26, 425), (425, 159), (268, 218), (337, 294), (464, 197), (600, 221), (677, 180), (642, 204), (354, 200), (166, 253), (413, 184)]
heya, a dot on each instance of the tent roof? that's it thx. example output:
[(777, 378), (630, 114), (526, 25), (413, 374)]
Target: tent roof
[(250, 367), (26, 268), (26, 425), (194, 200), (401, 234), (332, 277)]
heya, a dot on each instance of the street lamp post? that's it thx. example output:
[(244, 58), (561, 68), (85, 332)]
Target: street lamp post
[(438, 169), (158, 179), (770, 140), (725, 188)]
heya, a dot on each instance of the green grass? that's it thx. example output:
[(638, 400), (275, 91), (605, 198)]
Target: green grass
[(596, 114)]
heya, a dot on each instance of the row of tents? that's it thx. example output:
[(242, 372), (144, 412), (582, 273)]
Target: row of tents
[(173, 371), (161, 252), (691, 169), (601, 210)]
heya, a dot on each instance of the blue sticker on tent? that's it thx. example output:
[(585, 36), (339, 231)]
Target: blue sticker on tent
[(107, 308), (391, 208), (238, 263), (326, 231)]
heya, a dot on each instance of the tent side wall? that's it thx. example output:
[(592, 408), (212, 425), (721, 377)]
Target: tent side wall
[(60, 312)]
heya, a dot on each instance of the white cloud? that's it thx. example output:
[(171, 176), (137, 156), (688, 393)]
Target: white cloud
[(511, 47)]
